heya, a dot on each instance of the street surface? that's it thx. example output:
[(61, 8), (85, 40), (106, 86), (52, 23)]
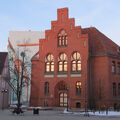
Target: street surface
[(51, 115)]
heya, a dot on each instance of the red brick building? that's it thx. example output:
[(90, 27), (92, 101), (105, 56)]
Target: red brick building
[(75, 65)]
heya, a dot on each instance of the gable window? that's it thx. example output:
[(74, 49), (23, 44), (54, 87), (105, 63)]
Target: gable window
[(62, 38), (118, 68), (62, 62), (76, 62), (113, 67), (78, 88), (46, 88), (49, 63), (114, 89)]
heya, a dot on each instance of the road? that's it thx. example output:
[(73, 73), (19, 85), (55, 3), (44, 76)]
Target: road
[(51, 115)]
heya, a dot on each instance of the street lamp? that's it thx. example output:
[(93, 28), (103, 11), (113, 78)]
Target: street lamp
[(86, 109), (67, 97), (3, 91)]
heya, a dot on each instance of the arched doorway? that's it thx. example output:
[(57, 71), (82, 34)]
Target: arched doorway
[(63, 99), (61, 94)]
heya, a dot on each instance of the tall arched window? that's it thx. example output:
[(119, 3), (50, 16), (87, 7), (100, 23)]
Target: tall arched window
[(62, 63), (76, 62), (46, 88), (62, 38), (49, 63)]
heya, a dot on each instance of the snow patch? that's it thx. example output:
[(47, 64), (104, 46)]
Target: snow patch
[(97, 113)]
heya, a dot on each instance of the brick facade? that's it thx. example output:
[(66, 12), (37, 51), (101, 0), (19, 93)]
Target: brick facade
[(95, 75)]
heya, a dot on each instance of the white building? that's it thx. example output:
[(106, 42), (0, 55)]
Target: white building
[(28, 42)]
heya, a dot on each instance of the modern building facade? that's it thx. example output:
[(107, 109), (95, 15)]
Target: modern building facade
[(4, 77), (75, 66), (28, 42)]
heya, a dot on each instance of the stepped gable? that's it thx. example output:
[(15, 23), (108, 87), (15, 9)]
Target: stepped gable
[(99, 43)]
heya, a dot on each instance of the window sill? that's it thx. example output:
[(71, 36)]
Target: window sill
[(62, 45), (49, 73), (62, 73), (78, 95), (46, 95), (76, 72)]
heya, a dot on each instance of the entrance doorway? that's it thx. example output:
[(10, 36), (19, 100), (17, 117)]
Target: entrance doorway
[(63, 99)]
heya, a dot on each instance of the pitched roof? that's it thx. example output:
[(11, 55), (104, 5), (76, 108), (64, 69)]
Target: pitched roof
[(99, 43), (36, 56), (2, 60)]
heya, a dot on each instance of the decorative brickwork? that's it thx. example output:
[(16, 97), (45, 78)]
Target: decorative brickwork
[(92, 67)]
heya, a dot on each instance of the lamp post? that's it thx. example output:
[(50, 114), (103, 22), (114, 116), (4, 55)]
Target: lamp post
[(3, 92), (67, 97), (86, 109)]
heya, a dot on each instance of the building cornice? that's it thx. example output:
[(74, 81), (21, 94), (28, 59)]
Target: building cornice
[(104, 54)]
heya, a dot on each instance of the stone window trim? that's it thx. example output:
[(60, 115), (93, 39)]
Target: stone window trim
[(76, 72), (49, 73)]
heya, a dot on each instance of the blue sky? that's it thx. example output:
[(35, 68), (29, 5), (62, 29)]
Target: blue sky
[(36, 15)]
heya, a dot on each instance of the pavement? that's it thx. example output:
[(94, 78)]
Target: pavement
[(51, 115)]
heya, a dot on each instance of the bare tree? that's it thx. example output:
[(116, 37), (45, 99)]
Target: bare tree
[(19, 68)]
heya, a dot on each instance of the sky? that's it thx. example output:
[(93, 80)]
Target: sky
[(36, 15)]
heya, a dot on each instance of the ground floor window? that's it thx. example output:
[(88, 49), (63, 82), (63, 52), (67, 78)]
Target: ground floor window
[(78, 105), (114, 89), (78, 88), (115, 106), (46, 87), (46, 103)]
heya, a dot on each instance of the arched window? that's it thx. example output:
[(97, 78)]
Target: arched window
[(46, 88), (78, 88), (76, 62), (62, 63), (49, 63), (62, 38)]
